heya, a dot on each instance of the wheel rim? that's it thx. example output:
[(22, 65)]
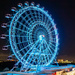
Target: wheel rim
[(28, 27)]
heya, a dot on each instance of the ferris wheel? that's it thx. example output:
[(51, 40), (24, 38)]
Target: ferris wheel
[(32, 35)]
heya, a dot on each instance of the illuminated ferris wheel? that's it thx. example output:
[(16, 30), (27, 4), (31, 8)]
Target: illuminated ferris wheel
[(32, 35)]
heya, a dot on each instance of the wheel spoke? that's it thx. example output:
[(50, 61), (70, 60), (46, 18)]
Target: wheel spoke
[(30, 50), (20, 23), (21, 42), (17, 35), (40, 53), (25, 47), (21, 30), (48, 47)]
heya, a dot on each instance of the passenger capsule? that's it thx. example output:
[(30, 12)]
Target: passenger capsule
[(9, 58), (5, 48), (13, 9), (55, 26), (8, 16), (3, 36), (42, 7), (26, 3), (32, 4), (47, 11), (38, 5), (20, 5), (4, 25)]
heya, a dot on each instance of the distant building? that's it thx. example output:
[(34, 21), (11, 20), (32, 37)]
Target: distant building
[(64, 61)]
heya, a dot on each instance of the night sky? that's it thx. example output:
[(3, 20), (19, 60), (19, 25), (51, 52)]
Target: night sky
[(63, 13)]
